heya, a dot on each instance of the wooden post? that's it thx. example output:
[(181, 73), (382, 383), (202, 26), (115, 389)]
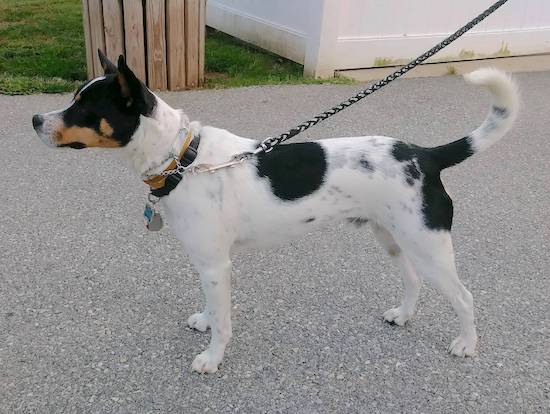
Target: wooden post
[(97, 34), (163, 40), (114, 30), (175, 40), (88, 40), (202, 39), (192, 13), (156, 44), (135, 37)]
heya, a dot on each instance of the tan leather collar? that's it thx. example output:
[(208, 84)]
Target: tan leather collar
[(157, 181)]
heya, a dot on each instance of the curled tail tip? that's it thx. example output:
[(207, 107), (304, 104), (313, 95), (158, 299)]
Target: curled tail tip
[(504, 109), (500, 84), (484, 76), (499, 120), (488, 77)]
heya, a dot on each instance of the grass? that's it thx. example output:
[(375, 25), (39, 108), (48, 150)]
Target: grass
[(230, 62), (42, 50), (41, 46)]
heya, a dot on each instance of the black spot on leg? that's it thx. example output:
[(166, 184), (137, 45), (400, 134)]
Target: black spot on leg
[(309, 220)]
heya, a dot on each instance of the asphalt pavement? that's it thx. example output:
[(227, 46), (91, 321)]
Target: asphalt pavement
[(93, 308)]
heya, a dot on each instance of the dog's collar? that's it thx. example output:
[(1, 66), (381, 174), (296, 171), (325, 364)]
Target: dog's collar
[(161, 185)]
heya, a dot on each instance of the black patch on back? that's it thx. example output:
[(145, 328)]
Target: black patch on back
[(437, 206), (294, 170), (309, 220)]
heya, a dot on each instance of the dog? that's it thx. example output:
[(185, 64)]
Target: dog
[(391, 185)]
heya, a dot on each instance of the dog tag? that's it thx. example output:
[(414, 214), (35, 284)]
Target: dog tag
[(153, 219)]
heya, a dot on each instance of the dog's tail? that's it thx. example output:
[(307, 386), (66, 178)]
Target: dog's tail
[(498, 122)]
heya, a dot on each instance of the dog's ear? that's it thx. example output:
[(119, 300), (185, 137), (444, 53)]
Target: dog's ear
[(108, 66), (134, 93)]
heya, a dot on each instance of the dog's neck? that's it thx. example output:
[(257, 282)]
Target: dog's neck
[(157, 136)]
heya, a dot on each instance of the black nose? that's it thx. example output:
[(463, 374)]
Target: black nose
[(37, 121)]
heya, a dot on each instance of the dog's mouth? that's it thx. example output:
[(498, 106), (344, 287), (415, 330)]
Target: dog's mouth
[(73, 145)]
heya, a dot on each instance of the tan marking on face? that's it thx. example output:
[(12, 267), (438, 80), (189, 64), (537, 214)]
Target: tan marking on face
[(86, 136), (77, 98), (105, 128)]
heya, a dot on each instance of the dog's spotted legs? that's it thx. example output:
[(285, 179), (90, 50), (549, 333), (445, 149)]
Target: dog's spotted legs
[(216, 285), (411, 280)]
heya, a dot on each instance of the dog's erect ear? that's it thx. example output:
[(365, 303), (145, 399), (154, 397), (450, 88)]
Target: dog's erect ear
[(133, 91), (108, 66)]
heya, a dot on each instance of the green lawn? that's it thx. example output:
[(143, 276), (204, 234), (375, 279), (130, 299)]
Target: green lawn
[(42, 50)]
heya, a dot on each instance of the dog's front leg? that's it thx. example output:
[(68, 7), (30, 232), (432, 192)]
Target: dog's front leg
[(216, 285)]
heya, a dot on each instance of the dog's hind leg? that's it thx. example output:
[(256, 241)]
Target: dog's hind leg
[(431, 253), (411, 280)]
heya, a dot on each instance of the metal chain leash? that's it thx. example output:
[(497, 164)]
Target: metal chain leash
[(269, 143)]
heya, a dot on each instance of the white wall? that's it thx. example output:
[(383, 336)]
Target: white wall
[(327, 35), (280, 26)]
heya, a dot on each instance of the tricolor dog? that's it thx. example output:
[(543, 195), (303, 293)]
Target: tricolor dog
[(390, 185)]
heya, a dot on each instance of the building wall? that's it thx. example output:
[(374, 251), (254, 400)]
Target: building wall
[(328, 35), (275, 25)]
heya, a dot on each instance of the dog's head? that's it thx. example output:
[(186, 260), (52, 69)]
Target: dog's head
[(104, 112)]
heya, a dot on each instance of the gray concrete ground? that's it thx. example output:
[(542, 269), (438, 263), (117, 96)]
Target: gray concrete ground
[(92, 308)]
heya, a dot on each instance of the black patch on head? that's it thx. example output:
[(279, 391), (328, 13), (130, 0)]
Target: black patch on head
[(81, 87), (366, 164), (309, 220), (294, 170), (106, 64), (120, 99), (437, 206), (358, 221)]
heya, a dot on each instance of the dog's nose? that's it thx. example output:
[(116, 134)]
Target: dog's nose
[(37, 121)]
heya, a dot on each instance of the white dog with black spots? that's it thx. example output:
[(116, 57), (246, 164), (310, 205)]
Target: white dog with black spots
[(387, 184)]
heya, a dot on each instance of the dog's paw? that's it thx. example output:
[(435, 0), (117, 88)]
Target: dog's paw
[(463, 347), (198, 321), (397, 316), (206, 363)]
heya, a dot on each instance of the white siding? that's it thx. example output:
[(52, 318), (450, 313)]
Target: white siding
[(328, 35)]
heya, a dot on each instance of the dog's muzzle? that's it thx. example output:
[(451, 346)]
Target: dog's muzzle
[(44, 127)]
